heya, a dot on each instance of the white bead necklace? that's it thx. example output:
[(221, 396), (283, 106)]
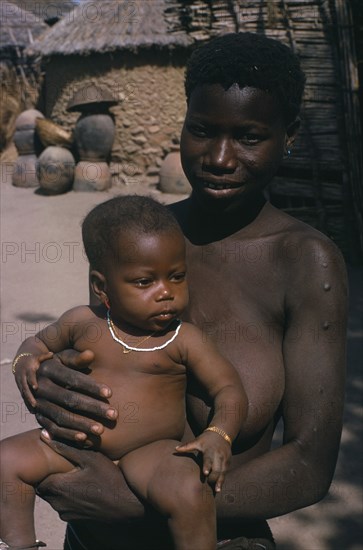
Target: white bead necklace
[(127, 348)]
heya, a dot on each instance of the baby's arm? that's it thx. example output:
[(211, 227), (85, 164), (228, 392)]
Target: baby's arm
[(223, 384), (52, 339)]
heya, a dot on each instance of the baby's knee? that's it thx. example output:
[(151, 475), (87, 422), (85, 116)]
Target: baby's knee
[(180, 491), (11, 483), (23, 457), (8, 458), (192, 492)]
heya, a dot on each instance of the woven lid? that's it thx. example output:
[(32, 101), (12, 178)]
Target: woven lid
[(91, 96)]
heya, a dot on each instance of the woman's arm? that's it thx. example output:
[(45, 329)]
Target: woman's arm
[(299, 473)]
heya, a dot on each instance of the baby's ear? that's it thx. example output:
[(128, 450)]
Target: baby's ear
[(98, 285)]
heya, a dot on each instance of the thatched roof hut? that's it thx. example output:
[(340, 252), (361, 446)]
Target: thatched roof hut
[(19, 29), (48, 11), (99, 27)]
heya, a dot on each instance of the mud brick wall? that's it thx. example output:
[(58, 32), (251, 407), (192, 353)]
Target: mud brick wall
[(148, 117)]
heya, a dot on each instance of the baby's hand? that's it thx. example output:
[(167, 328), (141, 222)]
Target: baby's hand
[(216, 456), (24, 369)]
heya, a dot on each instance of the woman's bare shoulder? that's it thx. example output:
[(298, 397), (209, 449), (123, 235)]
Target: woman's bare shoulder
[(296, 238)]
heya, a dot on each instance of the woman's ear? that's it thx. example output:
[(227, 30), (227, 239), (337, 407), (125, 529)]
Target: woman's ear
[(98, 285), (291, 132)]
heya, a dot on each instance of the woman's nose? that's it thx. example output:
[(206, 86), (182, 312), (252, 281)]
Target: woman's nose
[(221, 156)]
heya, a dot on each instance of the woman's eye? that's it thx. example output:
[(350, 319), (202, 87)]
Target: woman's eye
[(250, 139), (198, 131)]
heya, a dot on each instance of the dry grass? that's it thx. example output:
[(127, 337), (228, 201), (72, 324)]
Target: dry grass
[(17, 93)]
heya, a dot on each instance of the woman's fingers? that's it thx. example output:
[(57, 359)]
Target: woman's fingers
[(52, 430), (64, 424), (51, 393), (69, 378)]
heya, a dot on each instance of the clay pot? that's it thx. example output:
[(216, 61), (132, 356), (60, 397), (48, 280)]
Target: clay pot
[(26, 142), (171, 176), (93, 135), (24, 139), (24, 171), (91, 176), (55, 170)]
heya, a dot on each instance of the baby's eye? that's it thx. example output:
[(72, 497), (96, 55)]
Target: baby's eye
[(144, 282)]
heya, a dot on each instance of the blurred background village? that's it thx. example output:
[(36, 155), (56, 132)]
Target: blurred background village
[(92, 104)]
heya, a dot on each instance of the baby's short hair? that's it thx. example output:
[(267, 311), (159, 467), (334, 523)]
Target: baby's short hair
[(249, 59), (123, 214)]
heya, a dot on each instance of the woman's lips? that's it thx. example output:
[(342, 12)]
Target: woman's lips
[(219, 184), (212, 185)]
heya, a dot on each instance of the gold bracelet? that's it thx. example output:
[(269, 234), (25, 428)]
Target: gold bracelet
[(15, 362), (219, 431)]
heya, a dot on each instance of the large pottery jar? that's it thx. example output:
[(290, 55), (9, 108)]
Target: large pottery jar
[(55, 170), (93, 135), (171, 176), (25, 139)]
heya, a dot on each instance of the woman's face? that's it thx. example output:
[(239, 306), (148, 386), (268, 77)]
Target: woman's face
[(232, 142)]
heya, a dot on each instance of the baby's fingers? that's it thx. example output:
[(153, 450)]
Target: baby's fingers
[(216, 479), (207, 464), (31, 374), (31, 378), (27, 395), (219, 482), (45, 356), (188, 447)]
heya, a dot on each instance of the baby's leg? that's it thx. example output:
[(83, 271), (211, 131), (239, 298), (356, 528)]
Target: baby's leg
[(172, 485), (25, 461)]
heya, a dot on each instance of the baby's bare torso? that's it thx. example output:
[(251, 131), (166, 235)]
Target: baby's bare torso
[(148, 388)]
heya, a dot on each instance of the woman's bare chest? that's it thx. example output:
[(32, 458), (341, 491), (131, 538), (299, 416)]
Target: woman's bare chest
[(237, 299)]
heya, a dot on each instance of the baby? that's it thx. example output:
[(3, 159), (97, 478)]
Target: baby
[(145, 353)]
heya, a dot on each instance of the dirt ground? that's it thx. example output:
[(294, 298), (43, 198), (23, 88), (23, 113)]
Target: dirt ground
[(44, 272)]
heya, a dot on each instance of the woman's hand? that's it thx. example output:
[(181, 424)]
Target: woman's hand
[(95, 489), (64, 395)]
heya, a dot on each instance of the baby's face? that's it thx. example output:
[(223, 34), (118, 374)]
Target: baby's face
[(147, 287)]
